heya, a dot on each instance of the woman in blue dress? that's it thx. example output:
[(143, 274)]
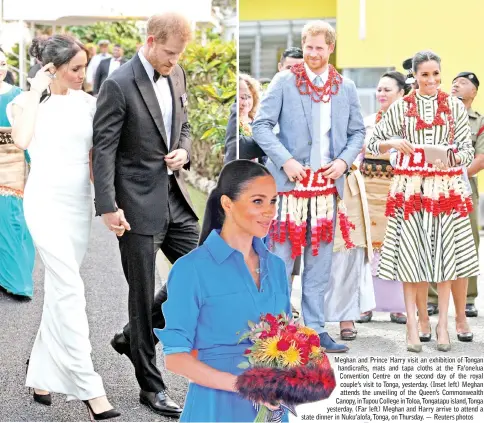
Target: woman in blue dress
[(216, 289), (17, 253)]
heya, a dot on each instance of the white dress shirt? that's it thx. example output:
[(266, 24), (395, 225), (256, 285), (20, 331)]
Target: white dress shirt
[(113, 65), (163, 95), (325, 117)]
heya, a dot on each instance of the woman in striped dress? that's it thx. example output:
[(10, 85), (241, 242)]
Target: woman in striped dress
[(428, 237)]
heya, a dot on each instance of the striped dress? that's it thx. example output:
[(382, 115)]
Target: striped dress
[(427, 245)]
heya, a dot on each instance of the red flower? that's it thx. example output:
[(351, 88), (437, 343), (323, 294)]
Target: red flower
[(314, 341), (269, 318), (247, 351), (291, 328), (264, 335), (272, 332), (283, 345)]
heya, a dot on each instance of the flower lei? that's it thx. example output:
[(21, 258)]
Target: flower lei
[(378, 116), (442, 107), (317, 94)]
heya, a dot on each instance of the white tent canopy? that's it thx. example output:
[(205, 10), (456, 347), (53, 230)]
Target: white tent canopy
[(61, 12)]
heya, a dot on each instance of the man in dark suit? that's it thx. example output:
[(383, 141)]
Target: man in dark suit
[(108, 66), (141, 142)]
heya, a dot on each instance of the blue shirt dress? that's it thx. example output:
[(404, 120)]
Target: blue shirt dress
[(211, 297)]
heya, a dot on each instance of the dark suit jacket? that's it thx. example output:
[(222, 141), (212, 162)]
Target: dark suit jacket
[(102, 73), (129, 147), (248, 148)]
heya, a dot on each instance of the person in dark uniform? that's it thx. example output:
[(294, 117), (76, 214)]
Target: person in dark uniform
[(465, 86)]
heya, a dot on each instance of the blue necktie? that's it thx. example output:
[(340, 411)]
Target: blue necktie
[(315, 158)]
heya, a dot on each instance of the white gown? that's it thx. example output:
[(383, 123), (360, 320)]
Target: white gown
[(58, 212)]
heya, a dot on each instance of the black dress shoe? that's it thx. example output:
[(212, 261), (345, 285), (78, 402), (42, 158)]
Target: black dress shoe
[(121, 345), (432, 309), (160, 403), (471, 310)]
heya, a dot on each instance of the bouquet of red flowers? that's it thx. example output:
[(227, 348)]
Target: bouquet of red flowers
[(286, 365)]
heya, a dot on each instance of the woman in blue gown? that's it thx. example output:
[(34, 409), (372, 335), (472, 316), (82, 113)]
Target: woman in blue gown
[(17, 253), (216, 289)]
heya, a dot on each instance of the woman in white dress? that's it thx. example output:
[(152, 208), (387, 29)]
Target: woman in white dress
[(57, 130)]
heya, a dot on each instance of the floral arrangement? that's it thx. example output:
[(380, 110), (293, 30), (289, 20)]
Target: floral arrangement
[(286, 365)]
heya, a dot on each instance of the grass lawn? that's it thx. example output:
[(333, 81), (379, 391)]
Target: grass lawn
[(199, 200)]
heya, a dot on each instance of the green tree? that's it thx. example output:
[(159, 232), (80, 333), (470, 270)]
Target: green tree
[(211, 80), (124, 33)]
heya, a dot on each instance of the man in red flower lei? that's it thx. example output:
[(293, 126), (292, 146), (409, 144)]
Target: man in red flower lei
[(321, 133)]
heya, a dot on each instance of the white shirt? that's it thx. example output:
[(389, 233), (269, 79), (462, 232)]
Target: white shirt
[(325, 117), (113, 65), (93, 65), (163, 95)]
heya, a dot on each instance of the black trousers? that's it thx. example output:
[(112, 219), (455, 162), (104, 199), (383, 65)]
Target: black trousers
[(138, 256)]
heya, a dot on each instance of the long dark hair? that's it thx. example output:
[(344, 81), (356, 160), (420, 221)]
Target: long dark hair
[(233, 179), (399, 78)]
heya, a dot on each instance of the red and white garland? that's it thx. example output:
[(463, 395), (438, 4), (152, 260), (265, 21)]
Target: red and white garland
[(444, 191), (442, 108), (291, 221), (317, 94)]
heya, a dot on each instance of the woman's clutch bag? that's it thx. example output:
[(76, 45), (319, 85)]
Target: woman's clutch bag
[(444, 153)]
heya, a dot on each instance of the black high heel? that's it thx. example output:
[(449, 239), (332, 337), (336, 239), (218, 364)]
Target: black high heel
[(45, 399), (105, 415)]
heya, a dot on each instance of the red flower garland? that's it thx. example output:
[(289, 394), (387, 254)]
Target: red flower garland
[(442, 107), (378, 116), (317, 94)]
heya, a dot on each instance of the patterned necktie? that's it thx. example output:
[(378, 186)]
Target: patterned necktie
[(315, 157)]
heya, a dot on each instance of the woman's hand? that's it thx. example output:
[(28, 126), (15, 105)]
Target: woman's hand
[(401, 145), (439, 164), (43, 78), (271, 407)]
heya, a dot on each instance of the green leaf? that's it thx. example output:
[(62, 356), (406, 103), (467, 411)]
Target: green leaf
[(243, 365), (209, 133)]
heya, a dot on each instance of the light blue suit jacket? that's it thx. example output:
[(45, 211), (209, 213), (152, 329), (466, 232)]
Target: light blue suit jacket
[(283, 104)]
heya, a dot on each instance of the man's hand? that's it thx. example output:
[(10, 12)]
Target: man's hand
[(176, 159), (335, 169), (116, 222), (295, 171)]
